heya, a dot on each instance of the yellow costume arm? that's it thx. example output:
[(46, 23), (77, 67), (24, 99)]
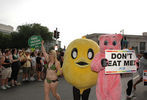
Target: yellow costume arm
[(59, 69)]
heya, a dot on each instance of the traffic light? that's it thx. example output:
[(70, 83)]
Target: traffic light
[(58, 34), (55, 34)]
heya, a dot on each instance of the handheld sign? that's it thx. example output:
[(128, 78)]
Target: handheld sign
[(145, 77), (120, 61), (35, 41)]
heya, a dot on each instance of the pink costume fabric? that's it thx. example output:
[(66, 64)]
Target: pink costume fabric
[(108, 85)]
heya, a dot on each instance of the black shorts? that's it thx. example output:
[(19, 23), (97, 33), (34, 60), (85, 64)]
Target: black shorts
[(39, 67), (26, 70)]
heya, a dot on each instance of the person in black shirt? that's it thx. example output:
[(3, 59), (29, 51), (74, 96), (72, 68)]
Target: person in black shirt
[(15, 67), (39, 66)]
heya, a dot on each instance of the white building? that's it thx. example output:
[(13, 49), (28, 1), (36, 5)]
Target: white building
[(6, 28), (136, 42)]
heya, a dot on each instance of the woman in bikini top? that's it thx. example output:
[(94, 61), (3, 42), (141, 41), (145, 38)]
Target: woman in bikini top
[(51, 81), (51, 73)]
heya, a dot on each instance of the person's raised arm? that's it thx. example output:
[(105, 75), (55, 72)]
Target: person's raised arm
[(44, 51)]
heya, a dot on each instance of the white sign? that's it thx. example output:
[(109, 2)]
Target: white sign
[(120, 61)]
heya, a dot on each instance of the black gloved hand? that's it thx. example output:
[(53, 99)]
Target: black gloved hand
[(104, 62)]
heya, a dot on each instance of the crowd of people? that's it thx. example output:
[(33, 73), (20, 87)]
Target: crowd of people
[(33, 65), (42, 65)]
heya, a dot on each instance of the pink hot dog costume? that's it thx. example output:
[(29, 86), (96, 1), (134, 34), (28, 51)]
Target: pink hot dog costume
[(108, 85)]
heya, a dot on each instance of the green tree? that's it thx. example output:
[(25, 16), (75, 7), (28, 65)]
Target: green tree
[(20, 38), (5, 40), (27, 30), (15, 40)]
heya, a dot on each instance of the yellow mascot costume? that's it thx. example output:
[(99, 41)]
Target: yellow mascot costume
[(76, 66)]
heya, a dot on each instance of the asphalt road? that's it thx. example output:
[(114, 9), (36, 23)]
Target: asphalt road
[(35, 91)]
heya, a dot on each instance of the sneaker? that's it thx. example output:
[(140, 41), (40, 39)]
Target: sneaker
[(8, 86), (3, 87), (130, 96), (134, 98), (39, 80), (27, 79), (32, 79), (19, 84)]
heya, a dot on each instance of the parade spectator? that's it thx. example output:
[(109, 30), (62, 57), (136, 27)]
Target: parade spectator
[(58, 55), (142, 66), (138, 59), (61, 58), (39, 66), (6, 62), (27, 66), (43, 74), (15, 67), (0, 63), (51, 81), (22, 57), (33, 67)]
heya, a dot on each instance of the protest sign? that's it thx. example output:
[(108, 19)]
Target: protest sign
[(120, 61), (145, 77), (35, 41)]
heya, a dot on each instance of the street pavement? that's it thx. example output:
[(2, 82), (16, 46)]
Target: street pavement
[(141, 92), (35, 91)]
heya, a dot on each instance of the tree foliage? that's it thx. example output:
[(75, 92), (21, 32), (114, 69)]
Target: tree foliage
[(5, 40), (20, 38)]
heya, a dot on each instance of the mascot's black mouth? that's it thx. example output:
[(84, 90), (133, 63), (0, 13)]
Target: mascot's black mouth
[(82, 63)]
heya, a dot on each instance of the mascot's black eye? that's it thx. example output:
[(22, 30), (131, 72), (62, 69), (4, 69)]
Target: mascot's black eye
[(105, 42), (90, 54), (114, 43), (74, 53)]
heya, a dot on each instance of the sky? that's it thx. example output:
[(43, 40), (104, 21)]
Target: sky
[(76, 18)]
